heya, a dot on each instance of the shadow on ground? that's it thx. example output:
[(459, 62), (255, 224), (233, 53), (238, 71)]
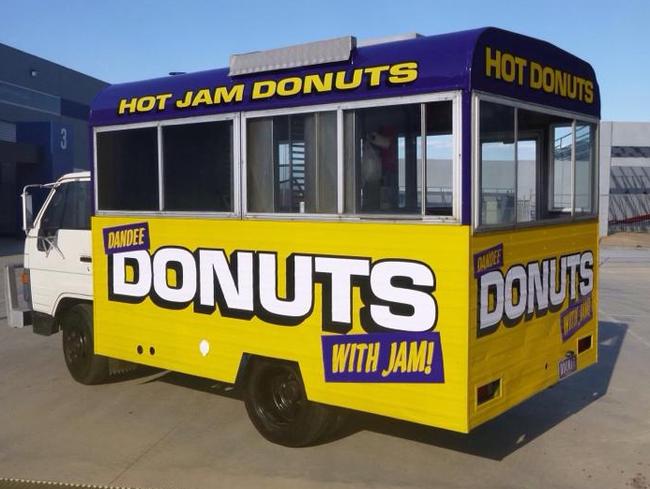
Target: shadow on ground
[(495, 439), (500, 437)]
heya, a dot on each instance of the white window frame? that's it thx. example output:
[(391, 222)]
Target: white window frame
[(596, 176), (239, 169), (477, 97), (550, 192), (339, 108), (236, 177)]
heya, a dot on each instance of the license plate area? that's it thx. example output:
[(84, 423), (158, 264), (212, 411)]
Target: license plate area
[(567, 365)]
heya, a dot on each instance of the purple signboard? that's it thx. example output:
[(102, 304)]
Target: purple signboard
[(383, 357), (519, 67), (129, 237), (488, 260), (576, 316)]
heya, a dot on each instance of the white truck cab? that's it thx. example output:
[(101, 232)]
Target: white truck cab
[(58, 250), (58, 267)]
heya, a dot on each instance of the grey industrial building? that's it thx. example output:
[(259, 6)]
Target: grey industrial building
[(624, 177), (44, 111)]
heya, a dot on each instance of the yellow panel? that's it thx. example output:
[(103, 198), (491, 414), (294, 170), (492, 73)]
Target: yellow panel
[(424, 375), (524, 349)]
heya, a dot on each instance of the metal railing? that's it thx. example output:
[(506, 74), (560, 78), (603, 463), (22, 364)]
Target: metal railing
[(629, 212)]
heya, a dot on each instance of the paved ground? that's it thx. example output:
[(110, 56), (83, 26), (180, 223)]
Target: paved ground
[(167, 430), (627, 240)]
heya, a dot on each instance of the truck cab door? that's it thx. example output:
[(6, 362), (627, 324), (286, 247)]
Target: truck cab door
[(58, 248)]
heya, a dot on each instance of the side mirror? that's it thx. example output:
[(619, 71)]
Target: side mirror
[(31, 204), (28, 210)]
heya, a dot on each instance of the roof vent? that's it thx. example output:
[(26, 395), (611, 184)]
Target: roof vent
[(311, 53), (385, 39)]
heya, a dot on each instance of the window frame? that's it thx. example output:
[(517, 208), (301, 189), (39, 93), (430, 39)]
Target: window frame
[(595, 202), (240, 197), (477, 98), (235, 169), (550, 190), (515, 161), (453, 96), (261, 114), (539, 154), (69, 184)]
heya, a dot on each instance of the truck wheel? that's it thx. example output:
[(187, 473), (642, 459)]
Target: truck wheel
[(78, 347), (278, 406)]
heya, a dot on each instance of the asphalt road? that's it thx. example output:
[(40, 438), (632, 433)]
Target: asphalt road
[(165, 430)]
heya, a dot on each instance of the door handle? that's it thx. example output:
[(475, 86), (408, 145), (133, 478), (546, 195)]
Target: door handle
[(85, 259)]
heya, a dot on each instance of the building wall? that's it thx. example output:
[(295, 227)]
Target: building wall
[(44, 111), (624, 177)]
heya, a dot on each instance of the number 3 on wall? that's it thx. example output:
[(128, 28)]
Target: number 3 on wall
[(63, 140)]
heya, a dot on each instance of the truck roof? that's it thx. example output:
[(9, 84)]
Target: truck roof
[(445, 62)]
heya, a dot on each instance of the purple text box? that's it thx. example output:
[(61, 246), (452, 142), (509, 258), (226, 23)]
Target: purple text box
[(129, 237), (383, 357)]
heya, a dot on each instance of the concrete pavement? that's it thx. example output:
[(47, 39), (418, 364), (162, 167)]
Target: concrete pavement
[(166, 430)]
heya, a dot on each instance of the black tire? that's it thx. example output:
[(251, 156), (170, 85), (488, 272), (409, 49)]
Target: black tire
[(278, 407), (78, 346)]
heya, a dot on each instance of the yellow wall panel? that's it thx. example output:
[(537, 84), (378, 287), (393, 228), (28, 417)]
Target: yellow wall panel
[(411, 320), (410, 382), (524, 351)]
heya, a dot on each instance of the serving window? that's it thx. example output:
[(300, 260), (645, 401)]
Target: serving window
[(354, 161), (383, 160), (389, 158), (186, 167), (384, 152), (197, 167), (127, 170), (533, 166), (291, 163)]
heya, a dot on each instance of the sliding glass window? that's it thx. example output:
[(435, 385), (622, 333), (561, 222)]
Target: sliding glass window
[(198, 161), (497, 154), (384, 152), (127, 170), (291, 163), (533, 166), (585, 176), (440, 159)]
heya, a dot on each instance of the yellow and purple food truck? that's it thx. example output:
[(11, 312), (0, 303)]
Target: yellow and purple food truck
[(407, 228)]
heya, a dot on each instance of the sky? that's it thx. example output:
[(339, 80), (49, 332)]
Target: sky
[(126, 40)]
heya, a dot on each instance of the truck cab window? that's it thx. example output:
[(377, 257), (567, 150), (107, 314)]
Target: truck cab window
[(69, 208), (77, 206), (53, 213)]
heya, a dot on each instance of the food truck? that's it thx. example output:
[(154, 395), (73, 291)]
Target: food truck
[(407, 228)]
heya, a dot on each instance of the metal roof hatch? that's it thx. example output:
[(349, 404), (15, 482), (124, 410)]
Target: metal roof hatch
[(308, 54)]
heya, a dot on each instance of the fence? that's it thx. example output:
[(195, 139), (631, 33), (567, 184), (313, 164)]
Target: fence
[(629, 212)]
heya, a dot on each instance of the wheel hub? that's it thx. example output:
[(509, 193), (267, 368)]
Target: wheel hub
[(285, 397), (76, 346)]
